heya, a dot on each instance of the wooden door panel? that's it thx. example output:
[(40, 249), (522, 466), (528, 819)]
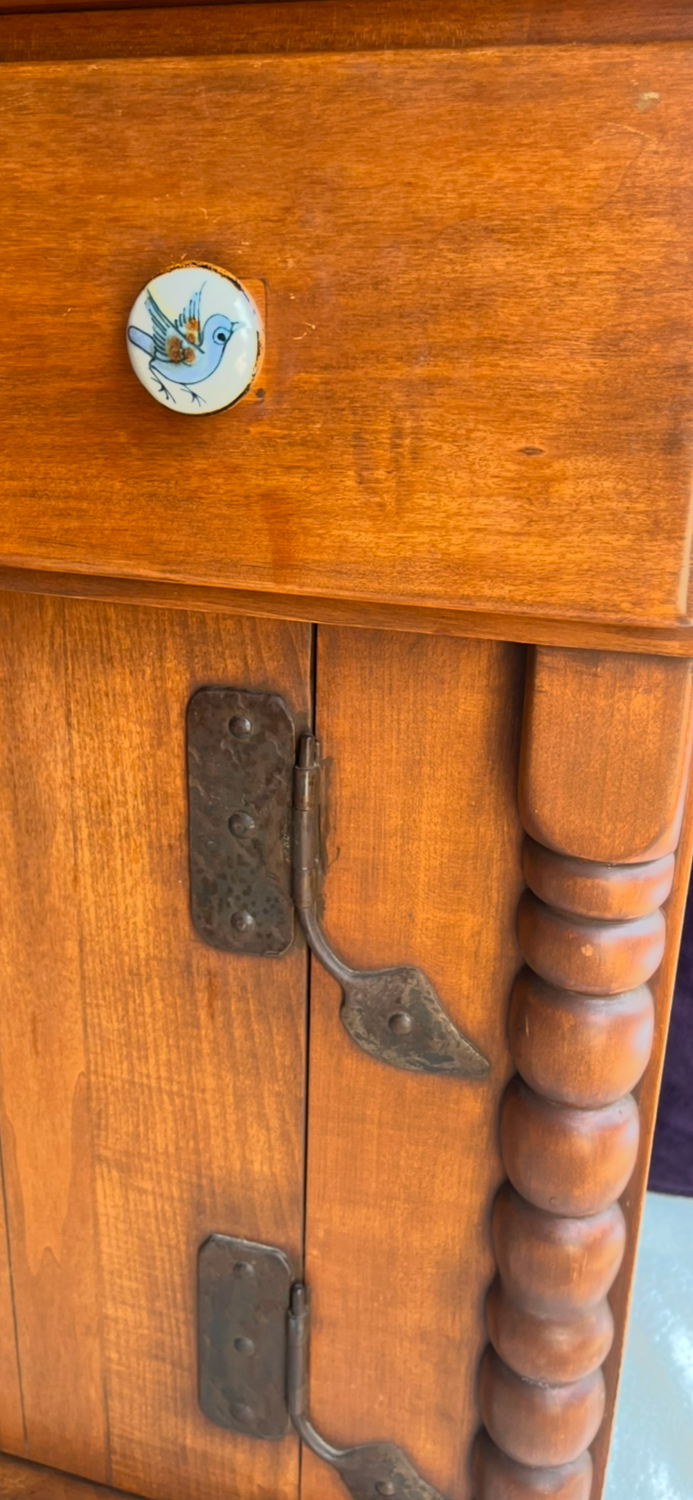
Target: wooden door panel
[(23, 1481), (423, 848), (11, 1413), (47, 1126), (152, 1087)]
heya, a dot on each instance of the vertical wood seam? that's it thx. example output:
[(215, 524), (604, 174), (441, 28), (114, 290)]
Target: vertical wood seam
[(308, 981)]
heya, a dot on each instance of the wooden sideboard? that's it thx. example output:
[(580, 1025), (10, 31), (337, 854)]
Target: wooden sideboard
[(449, 525)]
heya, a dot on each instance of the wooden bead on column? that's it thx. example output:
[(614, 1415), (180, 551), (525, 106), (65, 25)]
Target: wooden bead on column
[(581, 1026)]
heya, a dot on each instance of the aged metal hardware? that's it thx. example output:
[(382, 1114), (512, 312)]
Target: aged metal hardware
[(254, 1337), (372, 1469), (244, 835), (243, 1291), (393, 1014), (240, 762)]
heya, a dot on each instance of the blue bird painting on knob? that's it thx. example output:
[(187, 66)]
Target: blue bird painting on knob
[(174, 349)]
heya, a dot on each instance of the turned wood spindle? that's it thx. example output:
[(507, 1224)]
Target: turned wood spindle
[(581, 1026)]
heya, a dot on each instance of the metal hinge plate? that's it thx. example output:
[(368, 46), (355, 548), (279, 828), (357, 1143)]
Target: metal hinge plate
[(254, 858), (243, 1296), (241, 749), (254, 1339)]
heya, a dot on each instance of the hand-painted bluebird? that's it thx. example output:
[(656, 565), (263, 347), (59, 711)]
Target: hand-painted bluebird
[(179, 351)]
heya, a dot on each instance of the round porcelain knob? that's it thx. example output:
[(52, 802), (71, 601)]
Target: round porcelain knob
[(195, 339)]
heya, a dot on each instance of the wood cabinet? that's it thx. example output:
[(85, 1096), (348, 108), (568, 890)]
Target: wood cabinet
[(450, 528)]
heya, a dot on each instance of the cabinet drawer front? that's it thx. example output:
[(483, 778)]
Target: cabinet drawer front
[(479, 314)]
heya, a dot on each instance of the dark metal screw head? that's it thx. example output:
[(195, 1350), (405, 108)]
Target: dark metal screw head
[(241, 1412), (242, 921), (243, 1268), (244, 1346), (241, 824), (386, 1487), (401, 1023), (241, 727)]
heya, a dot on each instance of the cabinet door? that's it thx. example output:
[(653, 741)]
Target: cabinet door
[(152, 1087), (511, 822), (506, 821), (423, 853)]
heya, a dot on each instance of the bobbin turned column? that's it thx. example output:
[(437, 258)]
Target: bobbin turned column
[(603, 770)]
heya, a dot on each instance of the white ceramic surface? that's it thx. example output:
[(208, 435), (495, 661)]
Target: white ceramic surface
[(194, 339)]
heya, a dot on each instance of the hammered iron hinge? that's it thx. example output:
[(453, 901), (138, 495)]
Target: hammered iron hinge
[(255, 858), (254, 1337)]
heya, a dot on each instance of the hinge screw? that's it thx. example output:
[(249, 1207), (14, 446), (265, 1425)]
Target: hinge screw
[(244, 1346), (242, 921), (401, 1023), (240, 727), (241, 1412), (241, 824), (386, 1487)]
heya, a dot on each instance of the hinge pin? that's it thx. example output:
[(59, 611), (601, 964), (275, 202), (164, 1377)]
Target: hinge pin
[(306, 835), (299, 1345)]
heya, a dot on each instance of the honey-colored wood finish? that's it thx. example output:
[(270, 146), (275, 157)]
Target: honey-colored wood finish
[(47, 1126), (423, 866), (315, 26), (473, 431), (12, 1434), (569, 1159), (153, 1090), (444, 408), (637, 719), (359, 613), (23, 1481)]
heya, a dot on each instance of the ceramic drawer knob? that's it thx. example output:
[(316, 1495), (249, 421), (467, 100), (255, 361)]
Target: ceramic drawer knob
[(195, 339)]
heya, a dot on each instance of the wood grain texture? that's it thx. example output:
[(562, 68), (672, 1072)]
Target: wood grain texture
[(360, 614), (588, 889), (605, 754), (546, 1350), (153, 1087), (535, 1423), (444, 454), (24, 1481), (573, 1063), (312, 25), (551, 1265), (498, 1477), (47, 1126), (12, 1431), (568, 1161), (423, 867), (598, 958), (543, 1398)]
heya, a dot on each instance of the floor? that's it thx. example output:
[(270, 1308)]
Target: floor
[(652, 1448)]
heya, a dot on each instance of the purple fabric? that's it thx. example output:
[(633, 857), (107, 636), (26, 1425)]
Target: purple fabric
[(671, 1170)]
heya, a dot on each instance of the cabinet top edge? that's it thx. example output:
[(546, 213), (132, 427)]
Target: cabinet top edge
[(36, 30)]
